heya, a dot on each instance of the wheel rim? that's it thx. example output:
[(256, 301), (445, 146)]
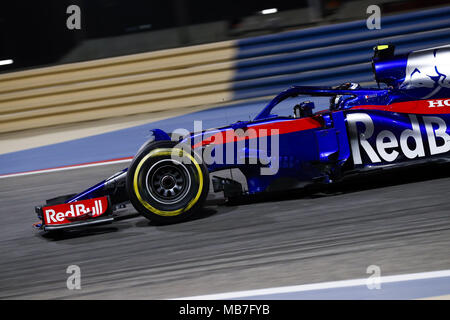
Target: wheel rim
[(168, 181)]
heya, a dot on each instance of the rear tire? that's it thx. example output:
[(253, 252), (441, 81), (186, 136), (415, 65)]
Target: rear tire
[(166, 183)]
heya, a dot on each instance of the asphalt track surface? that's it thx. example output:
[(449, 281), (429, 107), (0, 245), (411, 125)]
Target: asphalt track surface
[(398, 221)]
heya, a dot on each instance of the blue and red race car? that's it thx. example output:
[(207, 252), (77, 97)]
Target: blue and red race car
[(286, 146)]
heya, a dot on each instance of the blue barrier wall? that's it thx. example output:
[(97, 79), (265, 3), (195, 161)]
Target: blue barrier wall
[(331, 54)]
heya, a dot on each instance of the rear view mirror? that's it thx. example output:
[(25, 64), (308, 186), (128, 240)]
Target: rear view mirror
[(304, 109)]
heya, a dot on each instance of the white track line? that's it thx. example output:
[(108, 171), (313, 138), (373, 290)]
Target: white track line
[(72, 167), (319, 286)]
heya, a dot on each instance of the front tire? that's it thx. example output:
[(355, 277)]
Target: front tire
[(166, 183)]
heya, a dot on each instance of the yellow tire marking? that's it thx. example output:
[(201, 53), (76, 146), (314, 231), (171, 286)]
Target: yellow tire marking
[(165, 152)]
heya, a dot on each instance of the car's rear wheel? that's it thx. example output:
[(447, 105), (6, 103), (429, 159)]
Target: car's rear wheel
[(166, 183)]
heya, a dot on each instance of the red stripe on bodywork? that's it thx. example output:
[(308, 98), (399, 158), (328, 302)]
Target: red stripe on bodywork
[(262, 130), (436, 106)]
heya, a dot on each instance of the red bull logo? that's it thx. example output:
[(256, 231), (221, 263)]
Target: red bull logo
[(388, 147), (70, 212)]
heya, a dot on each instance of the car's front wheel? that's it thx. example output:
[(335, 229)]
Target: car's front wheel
[(166, 183)]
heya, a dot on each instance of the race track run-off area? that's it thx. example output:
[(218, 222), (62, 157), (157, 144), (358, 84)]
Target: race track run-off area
[(398, 222)]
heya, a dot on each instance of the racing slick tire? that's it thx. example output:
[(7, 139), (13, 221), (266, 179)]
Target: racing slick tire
[(166, 183)]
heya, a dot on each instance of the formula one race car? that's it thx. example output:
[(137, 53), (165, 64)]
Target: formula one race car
[(356, 130)]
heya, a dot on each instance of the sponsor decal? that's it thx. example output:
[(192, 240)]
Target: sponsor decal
[(438, 103), (428, 69), (437, 106), (70, 212), (388, 146)]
